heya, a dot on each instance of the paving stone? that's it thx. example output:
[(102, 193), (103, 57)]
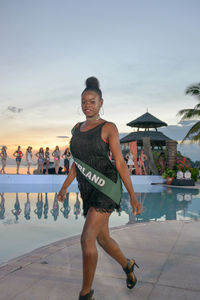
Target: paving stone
[(13, 284), (169, 293), (181, 271), (150, 236), (189, 241)]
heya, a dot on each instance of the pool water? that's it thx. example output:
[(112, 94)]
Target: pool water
[(32, 220)]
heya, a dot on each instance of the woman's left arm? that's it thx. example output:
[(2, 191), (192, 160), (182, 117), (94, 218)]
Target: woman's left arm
[(114, 144)]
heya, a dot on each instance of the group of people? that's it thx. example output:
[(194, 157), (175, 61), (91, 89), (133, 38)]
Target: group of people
[(141, 162), (43, 158)]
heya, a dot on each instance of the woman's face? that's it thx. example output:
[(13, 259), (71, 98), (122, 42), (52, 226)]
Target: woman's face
[(91, 103)]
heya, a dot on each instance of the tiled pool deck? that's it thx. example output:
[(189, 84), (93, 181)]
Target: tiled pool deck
[(167, 253)]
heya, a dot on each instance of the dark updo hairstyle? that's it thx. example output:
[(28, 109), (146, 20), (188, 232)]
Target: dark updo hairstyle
[(92, 84)]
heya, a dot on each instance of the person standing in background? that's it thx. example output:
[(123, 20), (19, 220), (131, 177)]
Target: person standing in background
[(66, 156), (3, 155), (29, 159), (130, 162), (56, 155), (18, 154), (47, 159), (143, 162), (40, 156)]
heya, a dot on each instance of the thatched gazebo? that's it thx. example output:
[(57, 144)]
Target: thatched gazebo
[(143, 124), (148, 138)]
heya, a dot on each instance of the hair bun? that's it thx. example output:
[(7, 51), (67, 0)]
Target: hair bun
[(92, 82)]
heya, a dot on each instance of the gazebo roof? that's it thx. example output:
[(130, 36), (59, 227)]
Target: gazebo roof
[(147, 121), (156, 137)]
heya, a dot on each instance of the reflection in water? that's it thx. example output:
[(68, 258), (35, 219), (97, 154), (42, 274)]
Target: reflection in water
[(127, 208), (46, 206), (170, 204), (39, 206), (77, 207), (2, 206), (167, 204), (55, 209), (27, 208), (66, 208), (17, 210)]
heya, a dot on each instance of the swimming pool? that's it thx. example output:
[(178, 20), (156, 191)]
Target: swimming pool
[(31, 220)]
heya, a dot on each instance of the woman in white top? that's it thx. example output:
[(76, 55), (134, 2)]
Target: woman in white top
[(130, 162), (3, 155), (29, 159), (56, 155)]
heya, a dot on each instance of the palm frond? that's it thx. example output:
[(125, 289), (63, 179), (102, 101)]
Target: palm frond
[(194, 133), (196, 138), (193, 90), (188, 113), (197, 106)]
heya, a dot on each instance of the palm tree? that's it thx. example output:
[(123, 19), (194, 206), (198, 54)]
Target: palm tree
[(190, 113)]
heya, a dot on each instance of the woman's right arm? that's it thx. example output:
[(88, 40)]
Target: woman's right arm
[(63, 191)]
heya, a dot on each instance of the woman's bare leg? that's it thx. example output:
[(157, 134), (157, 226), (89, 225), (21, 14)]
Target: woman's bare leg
[(57, 164), (110, 245), (18, 164), (3, 166), (39, 169), (93, 224), (47, 167), (29, 165)]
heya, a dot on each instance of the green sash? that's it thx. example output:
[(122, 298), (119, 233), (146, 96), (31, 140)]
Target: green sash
[(100, 182)]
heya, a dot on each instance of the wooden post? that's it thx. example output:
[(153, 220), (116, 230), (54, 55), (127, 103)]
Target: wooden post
[(147, 151), (171, 147)]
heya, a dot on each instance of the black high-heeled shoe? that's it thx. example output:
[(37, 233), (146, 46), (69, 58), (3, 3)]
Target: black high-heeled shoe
[(88, 296), (131, 279)]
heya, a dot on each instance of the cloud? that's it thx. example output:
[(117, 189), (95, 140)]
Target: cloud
[(14, 109)]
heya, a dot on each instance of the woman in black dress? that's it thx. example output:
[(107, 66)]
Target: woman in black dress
[(90, 144)]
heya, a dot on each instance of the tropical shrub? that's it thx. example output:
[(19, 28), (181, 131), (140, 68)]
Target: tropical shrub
[(195, 173), (169, 173)]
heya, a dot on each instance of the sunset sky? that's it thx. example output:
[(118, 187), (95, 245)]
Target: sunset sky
[(145, 53)]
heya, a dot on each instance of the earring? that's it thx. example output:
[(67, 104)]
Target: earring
[(101, 112), (80, 112)]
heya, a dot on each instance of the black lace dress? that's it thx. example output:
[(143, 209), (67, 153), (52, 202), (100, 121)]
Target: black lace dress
[(89, 147)]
